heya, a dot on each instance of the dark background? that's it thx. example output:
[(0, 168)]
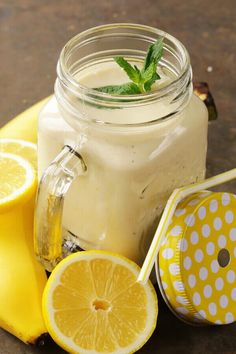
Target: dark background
[(32, 33)]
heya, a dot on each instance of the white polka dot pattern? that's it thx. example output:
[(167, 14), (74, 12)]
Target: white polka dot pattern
[(207, 291), (225, 199), (176, 230), (168, 253), (199, 287), (187, 263), (202, 213), (210, 248), (231, 276), (203, 273), (212, 308), (190, 220), (192, 280), (194, 238), (214, 266), (206, 230), (232, 234), (233, 294), (213, 206), (198, 256), (196, 298), (174, 268), (222, 241), (229, 216), (217, 223), (219, 283), (183, 245), (224, 301), (181, 300), (179, 212), (229, 317)]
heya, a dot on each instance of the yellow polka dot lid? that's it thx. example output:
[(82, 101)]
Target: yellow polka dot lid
[(196, 266)]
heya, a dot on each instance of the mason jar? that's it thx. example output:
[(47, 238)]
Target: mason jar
[(108, 163)]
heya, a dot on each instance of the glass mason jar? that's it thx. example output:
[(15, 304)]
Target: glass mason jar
[(109, 163)]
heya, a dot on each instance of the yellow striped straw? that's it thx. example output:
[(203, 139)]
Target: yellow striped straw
[(169, 210)]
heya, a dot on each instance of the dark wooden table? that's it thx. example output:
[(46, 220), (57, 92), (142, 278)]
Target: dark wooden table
[(32, 33)]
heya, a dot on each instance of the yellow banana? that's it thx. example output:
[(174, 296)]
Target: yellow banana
[(25, 125), (22, 278)]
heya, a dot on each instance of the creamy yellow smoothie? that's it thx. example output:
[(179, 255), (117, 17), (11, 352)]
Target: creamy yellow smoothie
[(131, 169)]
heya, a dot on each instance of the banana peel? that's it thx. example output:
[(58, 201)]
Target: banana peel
[(25, 125), (22, 278)]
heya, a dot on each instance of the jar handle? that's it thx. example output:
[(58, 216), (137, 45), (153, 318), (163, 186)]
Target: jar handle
[(52, 189)]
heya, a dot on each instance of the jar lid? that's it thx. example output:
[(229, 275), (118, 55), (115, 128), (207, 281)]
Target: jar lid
[(196, 266)]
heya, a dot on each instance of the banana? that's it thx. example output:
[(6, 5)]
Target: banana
[(25, 125), (22, 278)]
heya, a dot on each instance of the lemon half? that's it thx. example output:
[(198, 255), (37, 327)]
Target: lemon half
[(92, 303), (19, 147), (17, 180)]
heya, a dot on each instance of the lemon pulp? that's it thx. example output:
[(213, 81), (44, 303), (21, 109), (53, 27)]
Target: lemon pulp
[(93, 304), (19, 147), (17, 179)]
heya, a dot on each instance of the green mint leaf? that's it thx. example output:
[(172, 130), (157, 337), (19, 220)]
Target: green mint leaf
[(133, 73), (142, 80), (148, 84), (149, 72), (154, 53), (137, 69), (129, 88)]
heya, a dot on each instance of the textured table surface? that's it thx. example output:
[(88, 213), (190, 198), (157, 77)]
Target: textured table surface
[(32, 32)]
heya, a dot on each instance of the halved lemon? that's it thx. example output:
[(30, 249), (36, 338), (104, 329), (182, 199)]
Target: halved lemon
[(92, 303), (17, 179), (22, 148)]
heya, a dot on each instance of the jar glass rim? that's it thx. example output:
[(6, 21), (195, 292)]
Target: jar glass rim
[(67, 78)]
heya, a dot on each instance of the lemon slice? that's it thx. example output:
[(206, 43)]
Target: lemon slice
[(93, 304), (17, 179), (25, 149)]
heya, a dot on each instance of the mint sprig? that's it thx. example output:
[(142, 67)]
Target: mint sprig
[(126, 89), (142, 79)]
